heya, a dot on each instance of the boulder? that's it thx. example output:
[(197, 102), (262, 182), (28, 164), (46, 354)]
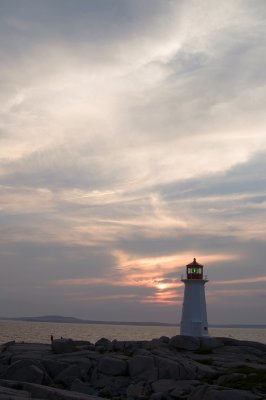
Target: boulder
[(25, 371), (129, 347), (208, 343), (247, 343), (54, 367), (103, 344), (183, 388), (165, 339), (105, 393), (5, 361), (202, 371), (83, 344), (223, 380), (118, 345), (32, 374), (61, 346), (181, 342), (81, 387), (157, 343), (164, 385), (119, 385), (69, 374), (169, 369), (138, 390), (82, 362), (32, 351), (143, 367), (157, 396), (227, 341), (115, 386), (85, 359), (112, 366), (213, 392), (4, 347), (76, 358), (142, 352)]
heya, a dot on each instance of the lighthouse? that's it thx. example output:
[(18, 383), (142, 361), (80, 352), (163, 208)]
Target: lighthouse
[(194, 313)]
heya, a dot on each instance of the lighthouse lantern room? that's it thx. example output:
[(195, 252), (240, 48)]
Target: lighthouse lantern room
[(194, 313)]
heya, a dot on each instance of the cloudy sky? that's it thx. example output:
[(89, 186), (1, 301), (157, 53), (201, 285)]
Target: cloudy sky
[(132, 139)]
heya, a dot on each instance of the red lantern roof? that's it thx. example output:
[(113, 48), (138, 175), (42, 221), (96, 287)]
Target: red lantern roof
[(194, 264)]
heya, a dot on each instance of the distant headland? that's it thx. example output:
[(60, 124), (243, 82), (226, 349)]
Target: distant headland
[(74, 320)]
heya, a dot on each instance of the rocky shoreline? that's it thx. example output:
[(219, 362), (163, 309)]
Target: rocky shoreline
[(174, 368)]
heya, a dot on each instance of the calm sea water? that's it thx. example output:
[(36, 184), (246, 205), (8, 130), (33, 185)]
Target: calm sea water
[(41, 331)]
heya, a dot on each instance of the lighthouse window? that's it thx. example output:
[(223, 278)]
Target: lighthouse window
[(195, 270)]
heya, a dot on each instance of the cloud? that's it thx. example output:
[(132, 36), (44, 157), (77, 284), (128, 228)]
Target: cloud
[(254, 279), (132, 140)]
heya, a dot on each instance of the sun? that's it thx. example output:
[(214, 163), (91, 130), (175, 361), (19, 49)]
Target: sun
[(161, 286)]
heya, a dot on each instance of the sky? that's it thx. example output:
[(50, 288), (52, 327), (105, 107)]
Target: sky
[(132, 139)]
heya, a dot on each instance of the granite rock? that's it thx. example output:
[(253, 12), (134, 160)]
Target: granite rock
[(181, 342), (60, 346), (26, 371), (112, 366), (207, 392), (160, 369), (142, 368)]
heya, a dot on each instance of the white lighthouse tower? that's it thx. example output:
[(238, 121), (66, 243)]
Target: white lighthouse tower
[(194, 313)]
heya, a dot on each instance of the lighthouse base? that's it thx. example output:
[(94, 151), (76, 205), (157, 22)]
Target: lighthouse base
[(194, 328)]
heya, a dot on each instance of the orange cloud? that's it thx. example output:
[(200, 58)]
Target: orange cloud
[(167, 297), (149, 272)]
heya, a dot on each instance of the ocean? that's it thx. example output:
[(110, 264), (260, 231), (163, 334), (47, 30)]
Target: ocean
[(40, 332)]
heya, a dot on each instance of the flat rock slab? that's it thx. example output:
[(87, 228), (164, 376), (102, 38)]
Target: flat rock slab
[(13, 393), (44, 392)]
